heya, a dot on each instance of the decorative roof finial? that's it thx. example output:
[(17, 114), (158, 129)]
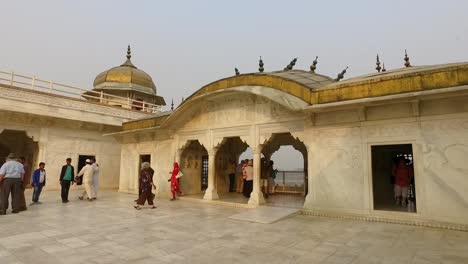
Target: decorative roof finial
[(407, 63), (378, 68), (383, 67), (291, 65), (172, 104), (129, 52), (341, 74), (236, 71), (260, 65), (128, 62), (314, 65), (183, 99)]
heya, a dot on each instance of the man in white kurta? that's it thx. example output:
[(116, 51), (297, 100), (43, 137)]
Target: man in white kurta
[(95, 177), (87, 172)]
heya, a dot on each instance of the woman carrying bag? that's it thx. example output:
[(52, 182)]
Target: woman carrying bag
[(175, 175)]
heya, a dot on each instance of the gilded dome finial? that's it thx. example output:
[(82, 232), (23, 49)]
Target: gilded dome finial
[(407, 63), (378, 68), (236, 71), (128, 62), (314, 65), (291, 65), (341, 74), (260, 65), (129, 52)]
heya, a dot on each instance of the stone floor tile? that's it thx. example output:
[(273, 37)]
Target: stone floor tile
[(111, 231)]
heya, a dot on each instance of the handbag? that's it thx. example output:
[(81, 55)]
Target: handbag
[(180, 174)]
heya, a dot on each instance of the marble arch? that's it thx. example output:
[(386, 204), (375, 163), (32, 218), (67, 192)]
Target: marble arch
[(421, 105)]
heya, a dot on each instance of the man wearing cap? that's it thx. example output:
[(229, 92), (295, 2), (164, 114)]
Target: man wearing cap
[(11, 177), (87, 171)]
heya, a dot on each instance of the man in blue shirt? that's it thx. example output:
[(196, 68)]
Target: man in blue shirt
[(67, 176)]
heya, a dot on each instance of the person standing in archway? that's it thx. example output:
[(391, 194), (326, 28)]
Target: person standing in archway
[(240, 178), (272, 176), (232, 176), (403, 175), (248, 184), (264, 176), (11, 176)]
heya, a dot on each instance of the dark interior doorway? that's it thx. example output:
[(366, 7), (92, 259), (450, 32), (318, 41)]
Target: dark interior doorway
[(388, 184), (18, 142), (144, 158)]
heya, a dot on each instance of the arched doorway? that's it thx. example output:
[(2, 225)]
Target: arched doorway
[(194, 165), (227, 160), (18, 142), (289, 158)]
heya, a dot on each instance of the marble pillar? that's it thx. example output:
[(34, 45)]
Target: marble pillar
[(256, 197), (211, 193)]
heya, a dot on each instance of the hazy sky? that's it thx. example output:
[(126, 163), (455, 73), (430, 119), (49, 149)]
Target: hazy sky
[(184, 45)]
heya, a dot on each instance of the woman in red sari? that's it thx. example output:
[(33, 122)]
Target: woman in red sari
[(175, 188)]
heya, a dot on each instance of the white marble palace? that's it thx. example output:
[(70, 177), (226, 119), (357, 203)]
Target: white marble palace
[(348, 131)]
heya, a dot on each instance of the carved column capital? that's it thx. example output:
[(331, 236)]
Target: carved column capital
[(212, 151), (257, 149)]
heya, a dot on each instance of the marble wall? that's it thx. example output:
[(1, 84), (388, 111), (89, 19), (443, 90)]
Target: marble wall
[(339, 145), (57, 140)]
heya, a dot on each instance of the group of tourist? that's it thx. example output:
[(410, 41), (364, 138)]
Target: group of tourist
[(245, 173), (14, 177), (14, 171)]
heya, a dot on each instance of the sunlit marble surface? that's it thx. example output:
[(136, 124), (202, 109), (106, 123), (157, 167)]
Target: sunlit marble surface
[(110, 230)]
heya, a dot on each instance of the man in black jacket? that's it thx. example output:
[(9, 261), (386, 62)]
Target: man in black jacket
[(67, 177)]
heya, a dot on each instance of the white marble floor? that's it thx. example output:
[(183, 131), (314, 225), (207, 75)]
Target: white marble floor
[(109, 230)]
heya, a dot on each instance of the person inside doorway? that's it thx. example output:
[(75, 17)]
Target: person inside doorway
[(232, 176), (67, 176), (403, 175), (239, 176), (264, 176), (248, 184), (38, 182), (11, 177), (271, 180)]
